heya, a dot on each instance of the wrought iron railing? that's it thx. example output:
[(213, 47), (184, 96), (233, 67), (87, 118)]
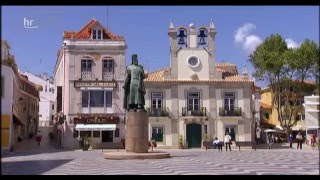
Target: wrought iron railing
[(201, 112), (158, 112), (86, 75), (237, 111), (107, 76)]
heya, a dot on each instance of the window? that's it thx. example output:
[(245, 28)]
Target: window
[(85, 98), (156, 98), (96, 134), (318, 107), (193, 101), (86, 65), (52, 106), (229, 101), (96, 34), (85, 133), (157, 134), (108, 99), (300, 117), (96, 98), (59, 99), (108, 65), (266, 115), (205, 129), (117, 133), (107, 70), (45, 89), (99, 34)]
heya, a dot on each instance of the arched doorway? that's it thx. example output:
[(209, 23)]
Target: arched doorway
[(193, 135)]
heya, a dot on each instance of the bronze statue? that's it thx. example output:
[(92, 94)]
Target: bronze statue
[(134, 89)]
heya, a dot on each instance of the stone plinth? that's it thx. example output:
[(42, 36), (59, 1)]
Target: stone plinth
[(131, 155), (137, 132)]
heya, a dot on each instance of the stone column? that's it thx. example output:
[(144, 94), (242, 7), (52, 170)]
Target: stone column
[(137, 132)]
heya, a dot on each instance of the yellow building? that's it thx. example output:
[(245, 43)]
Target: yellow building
[(269, 114)]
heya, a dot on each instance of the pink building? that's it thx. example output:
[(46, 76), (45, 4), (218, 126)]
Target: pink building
[(88, 79)]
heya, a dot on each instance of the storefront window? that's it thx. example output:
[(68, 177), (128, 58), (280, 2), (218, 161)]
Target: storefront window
[(96, 134)]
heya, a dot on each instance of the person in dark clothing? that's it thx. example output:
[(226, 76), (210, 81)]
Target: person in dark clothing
[(299, 138), (290, 139)]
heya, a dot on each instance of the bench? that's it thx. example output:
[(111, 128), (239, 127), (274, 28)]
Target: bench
[(246, 143), (210, 145)]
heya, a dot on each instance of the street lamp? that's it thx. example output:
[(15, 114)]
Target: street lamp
[(253, 98)]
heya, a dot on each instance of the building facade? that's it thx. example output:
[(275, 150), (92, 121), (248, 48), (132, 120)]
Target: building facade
[(88, 79), (47, 100), (197, 97), (312, 114), (269, 113), (19, 103)]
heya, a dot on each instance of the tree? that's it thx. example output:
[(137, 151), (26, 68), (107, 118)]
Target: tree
[(286, 70)]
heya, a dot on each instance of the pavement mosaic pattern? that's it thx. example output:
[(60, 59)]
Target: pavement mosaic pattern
[(182, 162)]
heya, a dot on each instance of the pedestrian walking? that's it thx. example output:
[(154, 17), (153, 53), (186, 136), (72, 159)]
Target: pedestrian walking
[(299, 138), (39, 137), (227, 141), (290, 139)]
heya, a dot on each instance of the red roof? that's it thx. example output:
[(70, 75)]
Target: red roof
[(85, 32)]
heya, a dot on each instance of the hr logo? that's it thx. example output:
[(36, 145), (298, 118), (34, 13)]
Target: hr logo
[(29, 23)]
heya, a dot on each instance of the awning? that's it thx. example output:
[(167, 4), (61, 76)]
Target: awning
[(279, 127), (298, 128), (95, 127)]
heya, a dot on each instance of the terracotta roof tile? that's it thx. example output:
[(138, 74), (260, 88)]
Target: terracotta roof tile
[(69, 34), (220, 70), (237, 78), (224, 64), (158, 76), (85, 33)]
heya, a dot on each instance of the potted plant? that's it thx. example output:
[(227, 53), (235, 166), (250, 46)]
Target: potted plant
[(205, 139)]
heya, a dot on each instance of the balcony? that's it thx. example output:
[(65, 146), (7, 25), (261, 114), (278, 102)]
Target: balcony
[(86, 75), (158, 112), (224, 112), (107, 76), (201, 112)]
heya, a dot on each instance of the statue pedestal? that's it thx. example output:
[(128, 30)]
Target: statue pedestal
[(137, 143), (137, 132)]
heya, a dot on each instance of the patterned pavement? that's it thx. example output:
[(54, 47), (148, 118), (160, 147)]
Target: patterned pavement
[(182, 162)]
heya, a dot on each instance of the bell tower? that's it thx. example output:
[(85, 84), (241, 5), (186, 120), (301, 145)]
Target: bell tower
[(192, 52)]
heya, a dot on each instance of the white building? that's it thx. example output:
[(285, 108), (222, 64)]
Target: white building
[(47, 100), (19, 103), (196, 96), (88, 79), (312, 115)]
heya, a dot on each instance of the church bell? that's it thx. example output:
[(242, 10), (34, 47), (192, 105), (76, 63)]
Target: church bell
[(181, 37), (202, 36)]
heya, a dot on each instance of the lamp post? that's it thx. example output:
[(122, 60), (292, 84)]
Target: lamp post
[(253, 98), (61, 119)]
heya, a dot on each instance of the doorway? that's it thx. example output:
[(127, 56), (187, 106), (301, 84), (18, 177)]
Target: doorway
[(232, 132), (107, 136), (193, 135)]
